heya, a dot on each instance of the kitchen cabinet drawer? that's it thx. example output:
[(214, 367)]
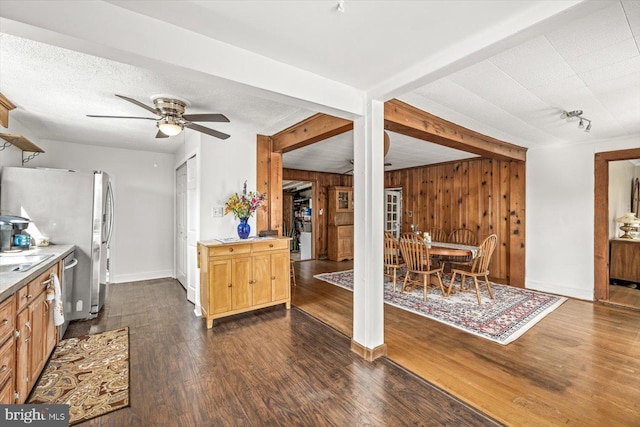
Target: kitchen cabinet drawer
[(6, 360), (270, 245), (42, 282), (6, 393), (229, 250), (22, 298), (7, 318)]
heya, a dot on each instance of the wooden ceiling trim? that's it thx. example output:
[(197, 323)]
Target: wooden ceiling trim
[(316, 128), (411, 121)]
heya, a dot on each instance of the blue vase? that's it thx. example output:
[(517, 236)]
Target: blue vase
[(244, 228)]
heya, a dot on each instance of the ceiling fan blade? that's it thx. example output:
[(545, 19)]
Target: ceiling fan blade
[(121, 117), (161, 135), (207, 130), (138, 103), (211, 117)]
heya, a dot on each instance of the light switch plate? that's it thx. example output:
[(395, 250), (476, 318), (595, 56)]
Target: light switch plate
[(217, 211)]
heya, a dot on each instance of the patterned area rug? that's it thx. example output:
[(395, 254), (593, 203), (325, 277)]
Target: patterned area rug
[(88, 373), (513, 312)]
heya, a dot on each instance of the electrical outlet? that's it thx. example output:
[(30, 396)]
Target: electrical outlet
[(410, 214), (217, 211)]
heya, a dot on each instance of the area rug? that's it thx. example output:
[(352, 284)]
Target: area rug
[(513, 312), (88, 373)]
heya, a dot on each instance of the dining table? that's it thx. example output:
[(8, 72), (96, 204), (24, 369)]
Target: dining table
[(452, 249)]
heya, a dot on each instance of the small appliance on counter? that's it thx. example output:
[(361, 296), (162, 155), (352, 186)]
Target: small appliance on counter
[(12, 234)]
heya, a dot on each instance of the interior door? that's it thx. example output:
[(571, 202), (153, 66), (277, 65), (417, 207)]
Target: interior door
[(393, 211), (181, 225)]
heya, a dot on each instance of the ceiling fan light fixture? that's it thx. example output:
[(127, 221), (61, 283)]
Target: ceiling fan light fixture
[(169, 126)]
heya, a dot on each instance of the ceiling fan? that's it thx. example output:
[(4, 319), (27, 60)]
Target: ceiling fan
[(171, 119), (387, 144)]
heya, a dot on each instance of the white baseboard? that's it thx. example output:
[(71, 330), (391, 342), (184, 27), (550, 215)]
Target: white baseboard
[(559, 289), (145, 275)]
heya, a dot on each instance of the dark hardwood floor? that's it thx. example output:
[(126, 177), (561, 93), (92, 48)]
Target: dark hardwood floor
[(270, 367), (578, 366)]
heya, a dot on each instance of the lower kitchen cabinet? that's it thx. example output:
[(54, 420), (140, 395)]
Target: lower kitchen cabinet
[(7, 349), (36, 332), (243, 276)]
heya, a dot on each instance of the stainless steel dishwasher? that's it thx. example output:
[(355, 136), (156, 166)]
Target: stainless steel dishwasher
[(69, 263)]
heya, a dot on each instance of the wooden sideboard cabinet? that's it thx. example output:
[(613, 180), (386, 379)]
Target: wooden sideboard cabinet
[(340, 224), (624, 261), (243, 276)]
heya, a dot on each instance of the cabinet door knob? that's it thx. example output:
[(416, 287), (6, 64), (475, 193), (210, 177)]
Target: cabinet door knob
[(230, 284), (5, 321), (230, 249), (270, 245), (273, 277)]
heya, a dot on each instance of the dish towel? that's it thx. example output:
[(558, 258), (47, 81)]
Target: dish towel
[(56, 297)]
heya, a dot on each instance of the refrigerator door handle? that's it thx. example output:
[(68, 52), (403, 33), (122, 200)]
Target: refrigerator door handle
[(109, 208)]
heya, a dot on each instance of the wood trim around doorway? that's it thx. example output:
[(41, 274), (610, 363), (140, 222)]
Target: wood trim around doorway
[(601, 218)]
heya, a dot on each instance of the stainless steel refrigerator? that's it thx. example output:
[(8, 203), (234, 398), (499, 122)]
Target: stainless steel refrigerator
[(69, 208)]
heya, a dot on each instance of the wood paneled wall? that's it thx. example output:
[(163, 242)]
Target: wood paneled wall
[(483, 195), (321, 183)]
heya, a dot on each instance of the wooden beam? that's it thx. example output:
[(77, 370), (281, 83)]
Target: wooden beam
[(5, 107), (411, 121), (517, 210), (275, 192), (263, 157), (316, 128)]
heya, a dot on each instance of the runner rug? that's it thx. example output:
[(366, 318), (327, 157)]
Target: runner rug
[(513, 312), (88, 373)]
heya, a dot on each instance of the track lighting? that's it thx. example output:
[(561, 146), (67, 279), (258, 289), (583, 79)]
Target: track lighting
[(570, 115)]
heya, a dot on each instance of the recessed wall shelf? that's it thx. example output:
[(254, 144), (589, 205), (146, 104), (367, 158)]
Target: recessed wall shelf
[(21, 143)]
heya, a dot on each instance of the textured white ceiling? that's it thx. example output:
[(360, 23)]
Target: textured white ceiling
[(55, 88), (590, 62), (366, 44)]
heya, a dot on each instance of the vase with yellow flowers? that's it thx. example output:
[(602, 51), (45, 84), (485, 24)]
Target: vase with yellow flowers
[(243, 206)]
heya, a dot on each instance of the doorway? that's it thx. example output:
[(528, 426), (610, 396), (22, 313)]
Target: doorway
[(298, 218), (187, 220), (624, 253), (181, 225), (601, 220), (393, 211)]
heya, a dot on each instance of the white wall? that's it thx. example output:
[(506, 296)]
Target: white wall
[(621, 175), (143, 183), (560, 217), (224, 167)]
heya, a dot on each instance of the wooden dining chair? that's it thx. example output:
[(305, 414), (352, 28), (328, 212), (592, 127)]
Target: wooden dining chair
[(437, 234), (479, 268), (392, 258), (416, 256), (462, 236)]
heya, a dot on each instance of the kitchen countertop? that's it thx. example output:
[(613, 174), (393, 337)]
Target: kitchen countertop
[(238, 241), (10, 282)]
